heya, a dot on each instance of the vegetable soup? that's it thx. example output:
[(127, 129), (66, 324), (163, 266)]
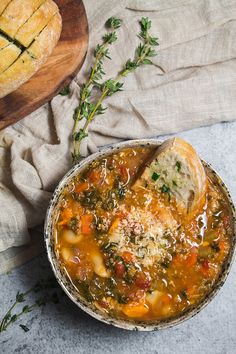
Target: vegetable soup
[(130, 253)]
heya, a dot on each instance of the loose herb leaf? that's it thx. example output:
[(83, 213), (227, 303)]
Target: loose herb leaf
[(113, 22), (25, 329), (65, 91)]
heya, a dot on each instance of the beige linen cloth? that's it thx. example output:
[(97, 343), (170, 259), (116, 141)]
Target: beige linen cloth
[(192, 83)]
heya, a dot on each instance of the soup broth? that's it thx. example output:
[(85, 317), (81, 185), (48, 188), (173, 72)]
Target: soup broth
[(131, 254)]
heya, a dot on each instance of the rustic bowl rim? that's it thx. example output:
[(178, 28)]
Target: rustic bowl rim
[(66, 284)]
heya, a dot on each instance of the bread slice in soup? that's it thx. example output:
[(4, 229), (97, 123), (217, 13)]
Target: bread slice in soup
[(176, 170), (16, 14), (36, 23)]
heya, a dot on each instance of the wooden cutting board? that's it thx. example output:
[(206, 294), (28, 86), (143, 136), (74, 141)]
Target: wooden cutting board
[(60, 68)]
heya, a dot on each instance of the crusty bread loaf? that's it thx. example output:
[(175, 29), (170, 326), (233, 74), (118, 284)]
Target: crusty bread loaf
[(34, 33), (176, 169), (8, 55), (3, 42), (3, 5)]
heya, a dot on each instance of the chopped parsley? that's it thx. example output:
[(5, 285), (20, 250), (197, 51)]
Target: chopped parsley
[(165, 189), (155, 176), (174, 183), (178, 165)]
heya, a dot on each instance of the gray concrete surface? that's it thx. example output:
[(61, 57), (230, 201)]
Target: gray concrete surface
[(63, 328)]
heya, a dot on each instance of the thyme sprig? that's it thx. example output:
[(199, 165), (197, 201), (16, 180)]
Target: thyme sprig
[(42, 285), (87, 108)]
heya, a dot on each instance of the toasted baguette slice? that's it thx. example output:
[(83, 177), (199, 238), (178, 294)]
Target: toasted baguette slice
[(36, 23), (32, 58), (8, 55), (3, 42), (3, 5), (16, 14), (176, 169)]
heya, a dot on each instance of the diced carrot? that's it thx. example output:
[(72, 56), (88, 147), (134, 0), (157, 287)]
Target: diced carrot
[(94, 176), (114, 225), (191, 260), (86, 224), (222, 245), (128, 256), (135, 309), (66, 215), (81, 187)]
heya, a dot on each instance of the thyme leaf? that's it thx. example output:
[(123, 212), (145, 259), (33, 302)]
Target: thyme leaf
[(43, 286)]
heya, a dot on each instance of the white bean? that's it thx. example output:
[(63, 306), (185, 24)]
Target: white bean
[(66, 254), (70, 237), (99, 266), (153, 297)]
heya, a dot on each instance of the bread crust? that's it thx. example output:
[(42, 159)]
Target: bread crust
[(8, 55), (180, 148), (16, 14), (32, 58), (36, 23), (3, 5), (3, 42)]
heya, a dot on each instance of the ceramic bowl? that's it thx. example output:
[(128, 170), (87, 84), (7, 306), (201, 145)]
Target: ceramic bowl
[(63, 277)]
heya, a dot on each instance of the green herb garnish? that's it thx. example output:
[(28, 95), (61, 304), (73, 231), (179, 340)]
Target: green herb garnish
[(178, 165), (174, 183), (155, 176), (65, 91), (88, 107), (165, 189)]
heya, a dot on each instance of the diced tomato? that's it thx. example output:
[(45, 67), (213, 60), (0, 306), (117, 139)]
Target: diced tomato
[(128, 256), (81, 187), (123, 173), (226, 221), (205, 267), (86, 224), (119, 269), (143, 280), (104, 304)]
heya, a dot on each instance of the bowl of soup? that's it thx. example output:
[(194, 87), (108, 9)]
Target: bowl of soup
[(114, 252)]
